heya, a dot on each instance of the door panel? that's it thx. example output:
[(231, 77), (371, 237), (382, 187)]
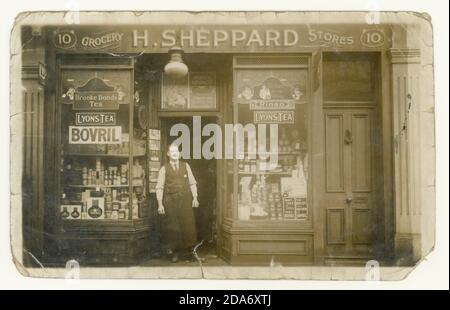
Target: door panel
[(336, 226), (334, 156), (361, 153), (362, 226)]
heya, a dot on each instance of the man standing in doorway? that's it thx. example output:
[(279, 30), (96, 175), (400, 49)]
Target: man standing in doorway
[(176, 192)]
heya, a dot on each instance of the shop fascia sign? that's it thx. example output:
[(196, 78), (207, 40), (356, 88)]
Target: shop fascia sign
[(259, 38), (245, 38)]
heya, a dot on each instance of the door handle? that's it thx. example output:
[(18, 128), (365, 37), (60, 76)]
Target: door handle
[(348, 139), (348, 199)]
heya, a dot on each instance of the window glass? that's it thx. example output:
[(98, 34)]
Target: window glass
[(277, 97), (348, 77)]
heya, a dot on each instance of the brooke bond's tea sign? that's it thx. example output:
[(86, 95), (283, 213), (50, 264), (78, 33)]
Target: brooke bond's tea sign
[(96, 95), (96, 101)]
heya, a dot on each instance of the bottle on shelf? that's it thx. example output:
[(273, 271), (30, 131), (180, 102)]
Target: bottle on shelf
[(95, 211), (75, 214), (295, 135), (84, 214), (64, 213), (124, 179), (112, 177), (62, 160), (64, 200), (106, 177), (117, 178), (102, 176)]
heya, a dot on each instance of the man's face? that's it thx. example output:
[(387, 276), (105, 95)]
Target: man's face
[(174, 153)]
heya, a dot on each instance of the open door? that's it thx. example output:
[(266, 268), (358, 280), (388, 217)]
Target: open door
[(204, 171)]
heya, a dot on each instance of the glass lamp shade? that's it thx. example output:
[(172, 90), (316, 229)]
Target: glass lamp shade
[(176, 68)]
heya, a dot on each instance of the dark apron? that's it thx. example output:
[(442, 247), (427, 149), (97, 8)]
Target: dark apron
[(179, 228)]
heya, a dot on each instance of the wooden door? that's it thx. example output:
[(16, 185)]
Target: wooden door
[(350, 203)]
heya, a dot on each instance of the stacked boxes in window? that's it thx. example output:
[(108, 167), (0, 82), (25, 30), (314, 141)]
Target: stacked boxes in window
[(301, 208), (275, 206)]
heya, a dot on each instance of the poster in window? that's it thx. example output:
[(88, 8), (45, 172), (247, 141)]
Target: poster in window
[(301, 208), (95, 89), (202, 86), (154, 134), (154, 166), (266, 88), (175, 93), (154, 145)]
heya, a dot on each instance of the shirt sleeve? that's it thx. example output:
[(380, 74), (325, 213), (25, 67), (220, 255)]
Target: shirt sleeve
[(192, 181), (191, 178), (160, 183)]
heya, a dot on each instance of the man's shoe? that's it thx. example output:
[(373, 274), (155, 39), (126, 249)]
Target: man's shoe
[(174, 258), (192, 258)]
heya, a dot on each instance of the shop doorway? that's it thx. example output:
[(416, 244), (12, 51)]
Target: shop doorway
[(353, 201), (204, 171)]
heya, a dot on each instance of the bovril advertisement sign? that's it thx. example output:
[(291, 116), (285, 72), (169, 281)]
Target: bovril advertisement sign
[(95, 134), (243, 38)]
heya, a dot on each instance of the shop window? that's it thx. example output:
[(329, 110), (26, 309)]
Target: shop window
[(103, 148), (276, 96)]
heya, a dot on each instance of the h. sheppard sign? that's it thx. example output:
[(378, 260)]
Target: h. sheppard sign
[(239, 38)]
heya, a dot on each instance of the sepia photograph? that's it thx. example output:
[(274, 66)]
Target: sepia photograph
[(225, 145)]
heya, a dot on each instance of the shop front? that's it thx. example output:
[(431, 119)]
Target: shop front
[(287, 128)]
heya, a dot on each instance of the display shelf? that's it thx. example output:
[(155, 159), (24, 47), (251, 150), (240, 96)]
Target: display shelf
[(95, 186), (269, 153), (105, 155), (80, 202), (265, 173)]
